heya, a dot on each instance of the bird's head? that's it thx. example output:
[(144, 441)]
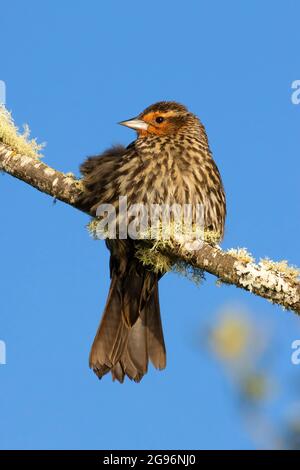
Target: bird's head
[(161, 119)]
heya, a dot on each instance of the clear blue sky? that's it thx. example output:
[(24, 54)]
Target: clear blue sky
[(73, 70)]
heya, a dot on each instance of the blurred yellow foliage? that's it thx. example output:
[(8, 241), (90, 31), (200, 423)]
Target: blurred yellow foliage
[(230, 337), (255, 386)]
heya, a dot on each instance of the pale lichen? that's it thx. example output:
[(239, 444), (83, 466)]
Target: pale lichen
[(153, 258), (241, 254), (273, 284), (92, 227), (49, 172), (290, 272), (153, 252), (55, 182), (18, 142), (275, 280), (162, 263)]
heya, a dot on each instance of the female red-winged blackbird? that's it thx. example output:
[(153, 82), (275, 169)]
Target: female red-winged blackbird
[(169, 162)]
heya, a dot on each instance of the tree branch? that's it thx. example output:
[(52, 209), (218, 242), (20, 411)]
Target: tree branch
[(31, 170), (275, 282)]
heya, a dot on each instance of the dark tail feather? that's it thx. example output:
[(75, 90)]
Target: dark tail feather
[(155, 335), (130, 332)]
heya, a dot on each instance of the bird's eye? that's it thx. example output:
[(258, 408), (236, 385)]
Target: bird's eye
[(159, 119)]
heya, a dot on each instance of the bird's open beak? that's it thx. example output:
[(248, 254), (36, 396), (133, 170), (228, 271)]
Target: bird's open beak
[(136, 124)]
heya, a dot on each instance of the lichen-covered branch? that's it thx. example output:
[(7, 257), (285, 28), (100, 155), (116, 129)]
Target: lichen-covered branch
[(274, 281), (31, 170)]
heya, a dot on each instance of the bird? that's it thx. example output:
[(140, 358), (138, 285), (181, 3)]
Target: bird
[(170, 161)]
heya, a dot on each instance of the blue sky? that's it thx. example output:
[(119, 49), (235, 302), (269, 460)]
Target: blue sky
[(72, 71)]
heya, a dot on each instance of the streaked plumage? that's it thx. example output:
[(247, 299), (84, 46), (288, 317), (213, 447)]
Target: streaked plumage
[(170, 162)]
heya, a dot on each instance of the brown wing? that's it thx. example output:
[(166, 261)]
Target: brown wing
[(98, 177)]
